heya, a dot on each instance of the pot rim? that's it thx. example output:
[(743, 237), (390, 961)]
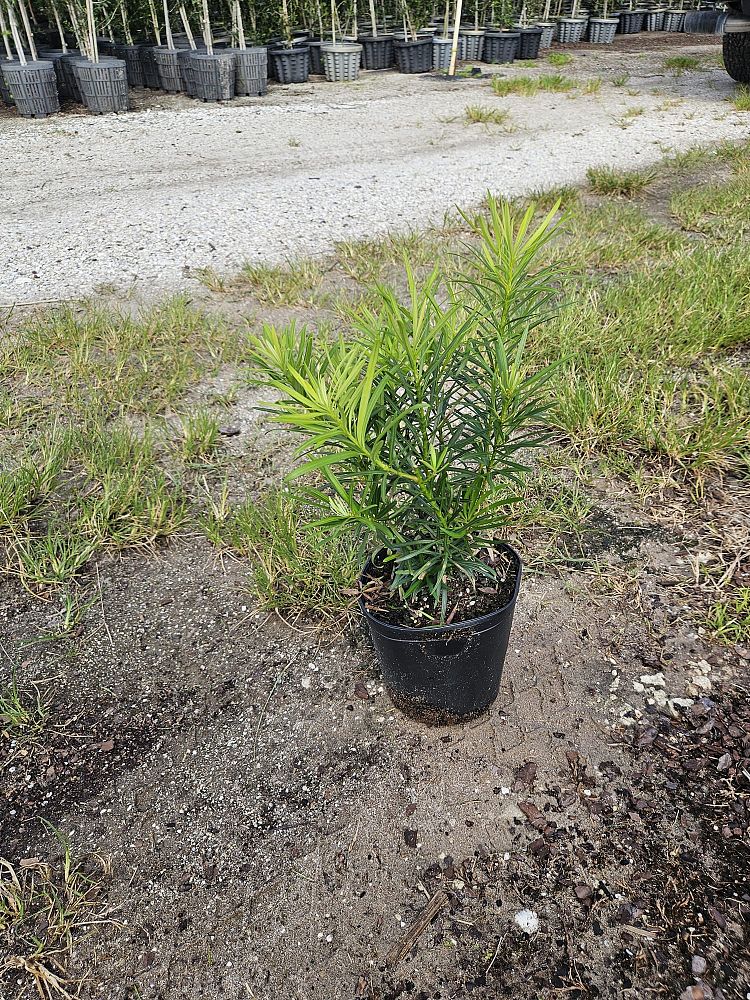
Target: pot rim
[(344, 47), (436, 631)]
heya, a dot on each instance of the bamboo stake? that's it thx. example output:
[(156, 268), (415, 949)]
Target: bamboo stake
[(61, 33), (445, 18), (27, 29), (333, 21), (94, 53), (373, 19), (186, 26), (154, 21), (356, 26), (207, 36), (125, 25), (4, 32), (454, 44), (16, 37), (168, 27), (240, 27)]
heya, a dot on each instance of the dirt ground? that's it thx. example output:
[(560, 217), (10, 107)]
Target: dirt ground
[(139, 202)]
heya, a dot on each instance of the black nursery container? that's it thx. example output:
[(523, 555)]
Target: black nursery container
[(291, 65), (33, 87), (448, 673), (65, 69), (377, 51), (151, 78), (213, 75), (251, 71), (132, 56), (501, 46), (168, 67), (103, 85), (413, 57), (5, 95), (631, 21), (529, 42)]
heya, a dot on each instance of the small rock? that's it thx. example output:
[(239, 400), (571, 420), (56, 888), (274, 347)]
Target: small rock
[(361, 691), (410, 838), (528, 921), (653, 680), (229, 432), (698, 965), (724, 761), (306, 682)]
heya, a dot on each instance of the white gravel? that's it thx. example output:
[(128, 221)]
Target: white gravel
[(140, 200)]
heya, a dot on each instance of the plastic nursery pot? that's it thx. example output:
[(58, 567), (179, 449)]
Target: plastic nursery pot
[(184, 57), (251, 71), (291, 65), (66, 73), (631, 22), (470, 44), (441, 53), (168, 68), (447, 673), (103, 85), (5, 94), (570, 30), (213, 75), (548, 33), (134, 67), (529, 42), (316, 61), (501, 46), (341, 61), (33, 87), (602, 30), (674, 20), (413, 57), (377, 51), (151, 77), (654, 20)]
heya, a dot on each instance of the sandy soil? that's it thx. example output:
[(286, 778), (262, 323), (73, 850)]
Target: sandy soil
[(140, 200)]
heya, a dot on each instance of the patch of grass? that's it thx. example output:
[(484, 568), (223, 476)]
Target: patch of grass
[(559, 59), (545, 199), (718, 210), (592, 86), (525, 85), (620, 80), (480, 115), (682, 64), (634, 112), (730, 620), (45, 911), (290, 284), (23, 717), (555, 83), (622, 183), (298, 569), (741, 98), (199, 435), (52, 558), (366, 260)]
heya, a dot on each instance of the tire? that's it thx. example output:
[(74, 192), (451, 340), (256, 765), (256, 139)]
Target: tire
[(737, 55)]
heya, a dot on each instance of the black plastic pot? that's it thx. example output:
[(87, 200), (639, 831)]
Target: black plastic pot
[(449, 673), (132, 56), (186, 70), (470, 44), (316, 61), (291, 65), (674, 20), (413, 57), (377, 51), (5, 94), (33, 87), (168, 68), (64, 69), (602, 31), (251, 71), (529, 42), (631, 22), (151, 78), (213, 75), (501, 46), (103, 85)]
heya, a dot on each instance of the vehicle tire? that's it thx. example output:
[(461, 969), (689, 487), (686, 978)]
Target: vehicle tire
[(737, 55)]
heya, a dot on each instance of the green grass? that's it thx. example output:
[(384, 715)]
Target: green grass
[(559, 59), (199, 435), (717, 209), (366, 260), (741, 98), (292, 283), (622, 183), (592, 86), (478, 114), (23, 716), (682, 64), (729, 620), (555, 83), (524, 85), (620, 80), (296, 570)]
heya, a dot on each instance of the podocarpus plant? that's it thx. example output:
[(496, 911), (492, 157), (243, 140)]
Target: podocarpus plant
[(417, 424)]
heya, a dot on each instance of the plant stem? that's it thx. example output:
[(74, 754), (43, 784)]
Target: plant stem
[(373, 19), (61, 33), (240, 26), (91, 23), (4, 32), (333, 21), (154, 21), (188, 29), (168, 27), (207, 36), (27, 29), (16, 37)]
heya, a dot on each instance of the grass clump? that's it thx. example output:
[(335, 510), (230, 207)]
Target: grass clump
[(622, 183), (45, 911), (682, 64), (366, 260), (555, 83), (199, 435), (22, 717), (290, 284), (559, 59), (525, 85), (478, 114), (730, 619), (741, 98), (717, 210)]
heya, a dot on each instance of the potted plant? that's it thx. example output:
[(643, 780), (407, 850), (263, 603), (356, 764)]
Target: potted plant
[(377, 47), (530, 37), (128, 51), (291, 62), (32, 84), (547, 26), (470, 40), (500, 44), (602, 29), (184, 55), (251, 62), (147, 54), (213, 71), (340, 59), (570, 30), (413, 51), (167, 60), (442, 43), (416, 429), (102, 80), (631, 20)]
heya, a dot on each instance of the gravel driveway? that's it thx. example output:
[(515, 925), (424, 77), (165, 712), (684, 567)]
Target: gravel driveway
[(139, 201)]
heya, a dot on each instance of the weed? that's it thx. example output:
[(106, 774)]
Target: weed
[(623, 183), (199, 435), (555, 83), (546, 198), (366, 260), (620, 80), (294, 143), (525, 85), (634, 112), (45, 910), (291, 283), (22, 717), (719, 210), (52, 558), (682, 64), (741, 98), (559, 59), (730, 619), (592, 86), (478, 114)]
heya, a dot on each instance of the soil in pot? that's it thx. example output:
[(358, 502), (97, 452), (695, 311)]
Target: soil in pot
[(377, 51), (213, 75), (341, 61), (251, 71), (33, 87), (529, 42), (132, 56), (168, 68), (103, 85), (291, 65), (413, 57), (444, 674), (602, 30), (501, 46)]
